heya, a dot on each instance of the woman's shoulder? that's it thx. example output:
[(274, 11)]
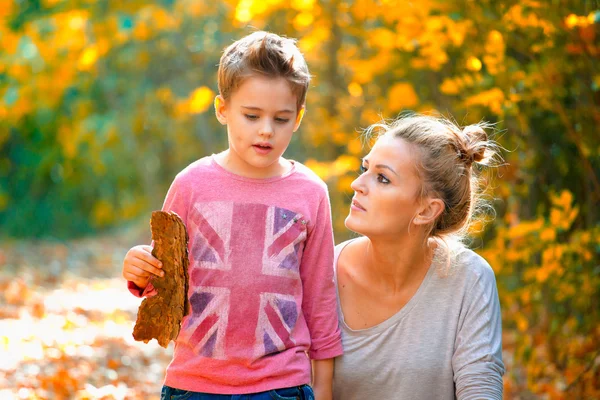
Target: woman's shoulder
[(472, 266), (341, 246)]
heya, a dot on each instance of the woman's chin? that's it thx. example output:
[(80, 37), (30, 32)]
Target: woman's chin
[(355, 226)]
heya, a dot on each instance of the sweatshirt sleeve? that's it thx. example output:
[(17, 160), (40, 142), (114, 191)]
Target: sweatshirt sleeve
[(477, 360), (319, 297), (177, 200)]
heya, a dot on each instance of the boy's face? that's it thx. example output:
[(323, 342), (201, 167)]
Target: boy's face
[(261, 117)]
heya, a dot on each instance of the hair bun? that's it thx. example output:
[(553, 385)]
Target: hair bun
[(475, 144)]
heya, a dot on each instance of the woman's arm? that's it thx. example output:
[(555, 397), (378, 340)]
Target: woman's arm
[(477, 360)]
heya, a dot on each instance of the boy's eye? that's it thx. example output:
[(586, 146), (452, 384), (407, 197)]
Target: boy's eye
[(363, 169), (382, 179), (251, 117), (282, 120)]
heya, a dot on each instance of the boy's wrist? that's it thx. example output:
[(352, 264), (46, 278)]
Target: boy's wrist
[(323, 392)]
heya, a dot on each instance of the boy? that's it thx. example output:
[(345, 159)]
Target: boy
[(260, 243)]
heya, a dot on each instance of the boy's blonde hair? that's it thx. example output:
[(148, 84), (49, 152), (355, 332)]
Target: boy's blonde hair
[(266, 54)]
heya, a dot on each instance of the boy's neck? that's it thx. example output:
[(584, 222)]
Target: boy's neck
[(234, 166)]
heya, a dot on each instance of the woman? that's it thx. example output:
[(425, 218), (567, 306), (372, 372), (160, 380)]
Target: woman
[(419, 312)]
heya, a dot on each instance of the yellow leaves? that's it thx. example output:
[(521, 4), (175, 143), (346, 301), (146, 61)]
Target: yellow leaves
[(162, 19), (344, 164), (402, 95), (9, 40), (522, 323), (102, 213), (525, 228), (200, 100), (317, 36), (494, 42), (152, 20), (576, 21), (248, 9), (365, 70), (164, 94), (303, 20), (382, 38), (493, 99), (495, 49), (548, 235), (563, 214), (68, 142), (355, 89), (320, 168), (355, 147), (563, 200), (306, 15), (341, 166), (473, 63), (449, 86), (303, 5), (343, 184), (88, 58), (142, 31)]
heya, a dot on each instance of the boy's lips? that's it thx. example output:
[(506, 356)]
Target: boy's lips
[(263, 147)]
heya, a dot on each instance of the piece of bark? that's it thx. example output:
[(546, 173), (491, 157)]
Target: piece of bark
[(159, 317)]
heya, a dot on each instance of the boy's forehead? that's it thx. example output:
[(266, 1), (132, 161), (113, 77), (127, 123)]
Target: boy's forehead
[(258, 92)]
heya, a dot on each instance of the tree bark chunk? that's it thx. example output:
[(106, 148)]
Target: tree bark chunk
[(159, 317)]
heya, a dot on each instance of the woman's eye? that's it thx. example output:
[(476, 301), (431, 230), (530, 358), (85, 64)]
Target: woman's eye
[(362, 169), (381, 178), (251, 117), (282, 120)]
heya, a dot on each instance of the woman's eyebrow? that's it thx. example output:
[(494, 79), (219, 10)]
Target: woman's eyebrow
[(381, 166)]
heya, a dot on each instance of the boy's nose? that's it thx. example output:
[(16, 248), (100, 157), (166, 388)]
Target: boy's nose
[(266, 129)]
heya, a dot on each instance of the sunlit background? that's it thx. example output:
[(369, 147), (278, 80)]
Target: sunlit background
[(103, 102)]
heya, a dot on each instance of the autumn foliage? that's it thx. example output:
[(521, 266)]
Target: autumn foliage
[(100, 101)]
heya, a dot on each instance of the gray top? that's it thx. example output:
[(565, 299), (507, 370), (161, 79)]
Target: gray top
[(445, 343)]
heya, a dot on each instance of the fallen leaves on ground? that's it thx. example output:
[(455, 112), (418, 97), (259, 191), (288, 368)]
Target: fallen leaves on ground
[(66, 322)]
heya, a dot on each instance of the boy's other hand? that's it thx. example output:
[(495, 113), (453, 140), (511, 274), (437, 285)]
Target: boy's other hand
[(140, 265)]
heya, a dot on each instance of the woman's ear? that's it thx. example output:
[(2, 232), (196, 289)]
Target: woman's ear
[(299, 117), (431, 209), (221, 109)]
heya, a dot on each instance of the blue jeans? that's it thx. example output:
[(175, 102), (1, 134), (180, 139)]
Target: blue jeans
[(303, 392)]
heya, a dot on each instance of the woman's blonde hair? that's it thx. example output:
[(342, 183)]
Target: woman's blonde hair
[(446, 159)]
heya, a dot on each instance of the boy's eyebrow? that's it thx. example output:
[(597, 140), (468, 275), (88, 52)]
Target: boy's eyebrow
[(380, 166), (260, 109)]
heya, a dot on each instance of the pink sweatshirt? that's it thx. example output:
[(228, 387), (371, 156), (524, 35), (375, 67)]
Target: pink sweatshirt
[(261, 280)]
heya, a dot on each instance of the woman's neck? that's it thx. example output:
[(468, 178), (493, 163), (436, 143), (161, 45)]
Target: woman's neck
[(397, 263)]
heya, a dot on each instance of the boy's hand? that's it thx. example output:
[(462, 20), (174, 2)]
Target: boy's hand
[(139, 265), (322, 379), (323, 393)]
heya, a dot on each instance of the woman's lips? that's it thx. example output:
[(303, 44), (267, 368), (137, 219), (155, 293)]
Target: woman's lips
[(357, 206)]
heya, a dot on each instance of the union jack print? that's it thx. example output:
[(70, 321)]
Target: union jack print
[(245, 279)]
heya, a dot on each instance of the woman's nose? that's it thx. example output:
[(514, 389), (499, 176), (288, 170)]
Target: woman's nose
[(358, 185)]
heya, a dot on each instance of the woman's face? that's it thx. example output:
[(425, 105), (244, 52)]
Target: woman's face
[(387, 192)]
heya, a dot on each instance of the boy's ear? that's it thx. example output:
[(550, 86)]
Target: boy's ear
[(299, 117), (428, 213), (221, 109)]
